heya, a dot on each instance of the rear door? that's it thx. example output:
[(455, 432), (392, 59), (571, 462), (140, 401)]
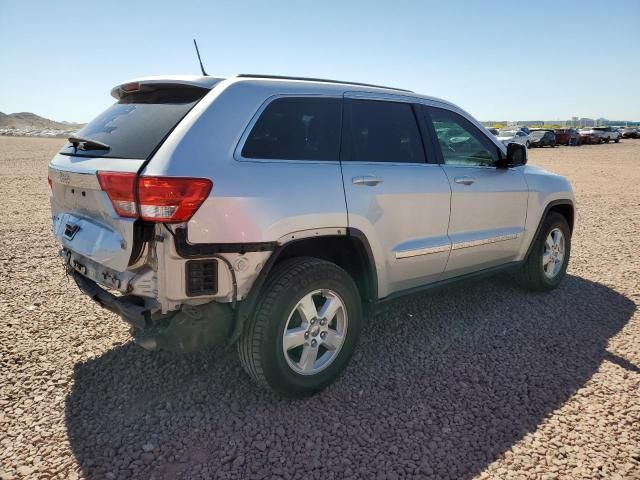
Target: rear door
[(119, 140), (488, 205), (396, 193)]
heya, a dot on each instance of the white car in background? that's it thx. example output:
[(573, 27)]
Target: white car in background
[(507, 136), (607, 134)]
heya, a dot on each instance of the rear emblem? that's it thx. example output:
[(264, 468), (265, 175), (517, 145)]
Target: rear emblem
[(64, 177), (70, 231)]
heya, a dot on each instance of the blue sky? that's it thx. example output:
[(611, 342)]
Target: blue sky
[(498, 60)]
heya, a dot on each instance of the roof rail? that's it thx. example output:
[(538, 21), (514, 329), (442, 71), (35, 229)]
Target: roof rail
[(323, 80)]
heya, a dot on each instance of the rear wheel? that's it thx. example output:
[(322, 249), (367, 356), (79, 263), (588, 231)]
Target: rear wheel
[(546, 265), (305, 327)]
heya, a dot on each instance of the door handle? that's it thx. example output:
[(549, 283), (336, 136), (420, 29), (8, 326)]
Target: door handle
[(368, 180), (466, 180)]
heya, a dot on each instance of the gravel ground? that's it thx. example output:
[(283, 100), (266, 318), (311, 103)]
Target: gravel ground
[(481, 380)]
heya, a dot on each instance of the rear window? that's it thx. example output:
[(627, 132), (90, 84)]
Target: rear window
[(297, 128), (138, 123)]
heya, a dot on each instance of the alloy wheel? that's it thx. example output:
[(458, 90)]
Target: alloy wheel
[(553, 253), (315, 332)]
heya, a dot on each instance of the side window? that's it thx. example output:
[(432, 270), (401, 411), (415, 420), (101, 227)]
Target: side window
[(381, 131), (460, 141), (297, 128)]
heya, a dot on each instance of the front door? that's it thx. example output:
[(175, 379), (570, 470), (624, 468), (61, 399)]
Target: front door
[(488, 205)]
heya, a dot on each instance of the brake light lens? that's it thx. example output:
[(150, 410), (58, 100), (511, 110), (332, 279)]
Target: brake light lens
[(171, 199), (161, 199), (130, 87), (119, 188)]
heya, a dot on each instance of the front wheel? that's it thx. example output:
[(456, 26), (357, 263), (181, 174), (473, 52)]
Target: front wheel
[(305, 327), (546, 265)]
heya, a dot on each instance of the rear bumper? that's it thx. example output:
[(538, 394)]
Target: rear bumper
[(131, 311)]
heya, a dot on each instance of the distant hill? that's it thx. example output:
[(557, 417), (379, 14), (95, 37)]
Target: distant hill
[(28, 120)]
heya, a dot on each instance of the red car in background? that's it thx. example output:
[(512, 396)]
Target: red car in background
[(567, 136)]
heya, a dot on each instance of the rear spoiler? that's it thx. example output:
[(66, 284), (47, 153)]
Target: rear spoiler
[(186, 80)]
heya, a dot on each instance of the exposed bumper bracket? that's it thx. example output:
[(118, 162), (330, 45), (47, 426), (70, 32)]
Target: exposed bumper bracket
[(132, 313)]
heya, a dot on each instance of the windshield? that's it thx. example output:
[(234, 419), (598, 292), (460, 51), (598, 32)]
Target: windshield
[(136, 125), (538, 133), (507, 133)]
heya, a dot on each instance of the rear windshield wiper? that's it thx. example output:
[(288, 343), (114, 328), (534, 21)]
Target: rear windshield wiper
[(87, 144)]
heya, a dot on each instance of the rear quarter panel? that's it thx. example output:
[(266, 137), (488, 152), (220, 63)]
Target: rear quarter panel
[(251, 200)]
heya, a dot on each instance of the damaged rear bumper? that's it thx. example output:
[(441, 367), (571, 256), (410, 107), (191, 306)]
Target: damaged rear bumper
[(127, 307), (191, 328)]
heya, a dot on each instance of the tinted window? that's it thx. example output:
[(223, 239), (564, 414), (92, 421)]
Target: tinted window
[(460, 141), (297, 128), (136, 125), (380, 131)]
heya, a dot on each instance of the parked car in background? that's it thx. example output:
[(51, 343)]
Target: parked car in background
[(630, 132), (542, 138), (507, 136), (494, 131), (567, 136), (607, 134), (589, 137)]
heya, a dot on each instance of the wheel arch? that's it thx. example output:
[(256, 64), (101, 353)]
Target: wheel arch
[(351, 252), (564, 207)]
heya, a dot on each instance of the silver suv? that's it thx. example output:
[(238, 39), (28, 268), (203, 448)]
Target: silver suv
[(277, 212)]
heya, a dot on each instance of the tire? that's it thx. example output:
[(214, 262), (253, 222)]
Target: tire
[(617, 140), (280, 308), (532, 276), (527, 145), (606, 140)]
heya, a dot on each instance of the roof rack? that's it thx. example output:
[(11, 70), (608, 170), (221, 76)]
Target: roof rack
[(323, 80)]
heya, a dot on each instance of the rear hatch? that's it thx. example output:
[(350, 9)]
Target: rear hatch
[(107, 154)]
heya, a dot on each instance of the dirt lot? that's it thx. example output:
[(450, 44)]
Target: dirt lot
[(482, 380)]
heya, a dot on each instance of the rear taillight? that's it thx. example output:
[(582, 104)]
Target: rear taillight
[(161, 199), (167, 199), (119, 188)]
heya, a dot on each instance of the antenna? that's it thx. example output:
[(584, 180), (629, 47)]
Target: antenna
[(199, 59)]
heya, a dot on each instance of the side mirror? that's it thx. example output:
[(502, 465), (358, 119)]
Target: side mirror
[(516, 156)]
